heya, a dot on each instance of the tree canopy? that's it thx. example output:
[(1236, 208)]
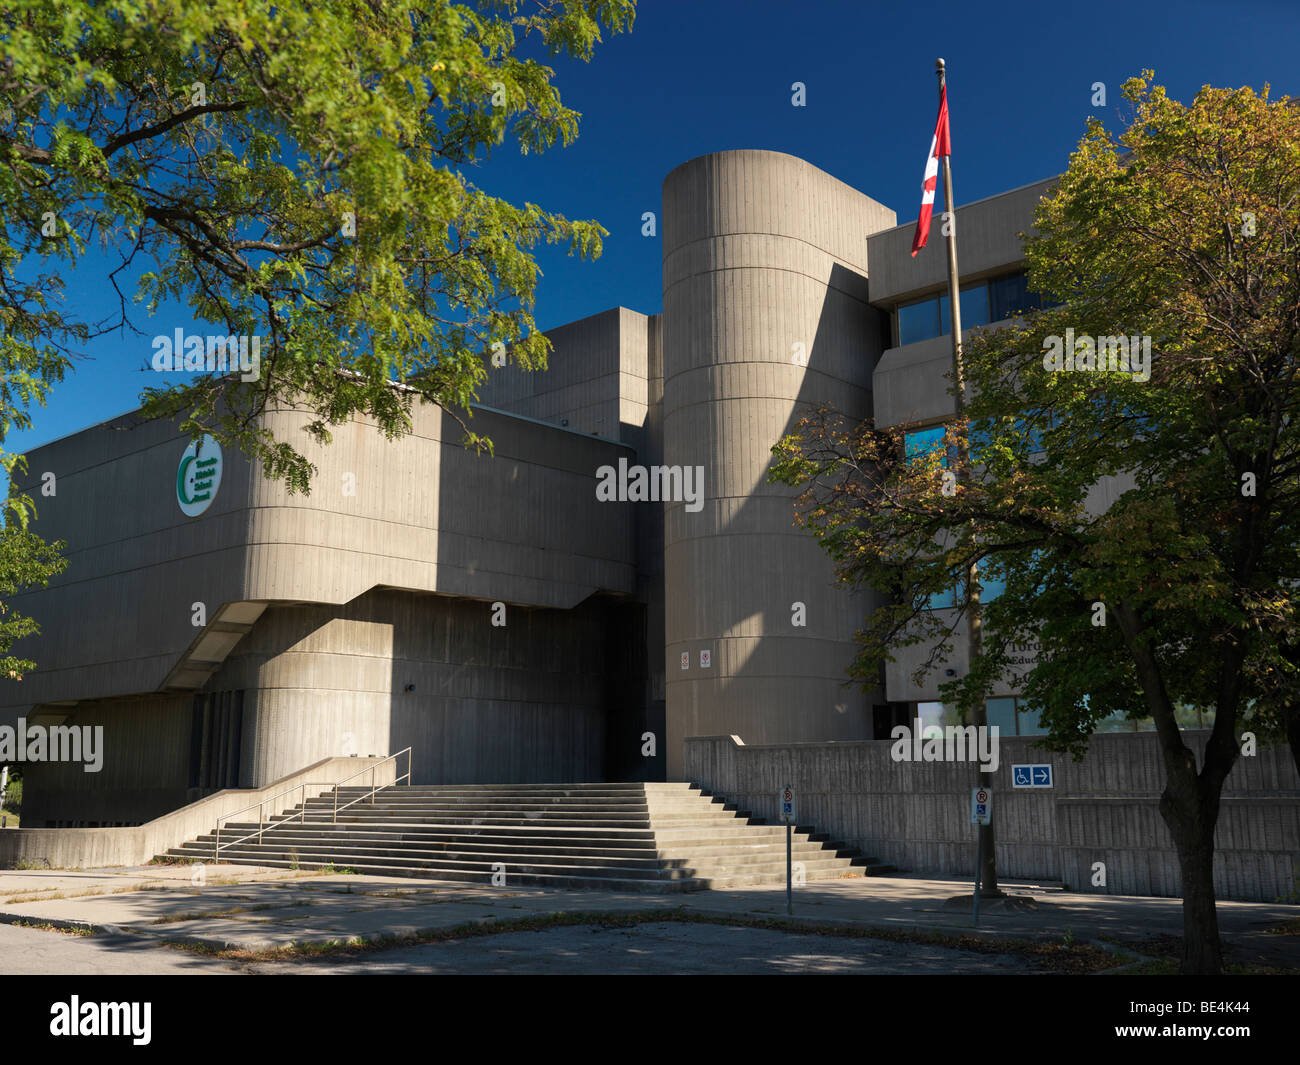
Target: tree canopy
[(1144, 512), (293, 172)]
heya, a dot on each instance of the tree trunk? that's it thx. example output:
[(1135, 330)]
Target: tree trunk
[(1191, 812), (1190, 801), (1291, 719)]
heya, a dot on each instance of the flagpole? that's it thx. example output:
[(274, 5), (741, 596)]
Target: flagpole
[(987, 876)]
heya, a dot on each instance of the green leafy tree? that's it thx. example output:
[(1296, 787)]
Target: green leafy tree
[(293, 172), (28, 370), (1179, 591)]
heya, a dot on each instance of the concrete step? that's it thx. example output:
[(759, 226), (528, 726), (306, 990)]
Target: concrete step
[(350, 817), (267, 854), (513, 879), (345, 854), (531, 830), (379, 837), (638, 789), (570, 835)]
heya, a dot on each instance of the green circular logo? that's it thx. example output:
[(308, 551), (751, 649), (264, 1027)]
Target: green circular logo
[(198, 476)]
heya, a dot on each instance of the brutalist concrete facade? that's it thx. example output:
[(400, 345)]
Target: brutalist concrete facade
[(233, 647)]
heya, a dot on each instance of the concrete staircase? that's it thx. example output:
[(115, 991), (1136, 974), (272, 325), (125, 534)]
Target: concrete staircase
[(621, 837)]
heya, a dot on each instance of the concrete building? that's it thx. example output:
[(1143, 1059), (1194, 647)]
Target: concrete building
[(499, 615)]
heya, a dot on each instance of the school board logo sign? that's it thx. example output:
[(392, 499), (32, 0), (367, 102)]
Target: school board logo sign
[(198, 476)]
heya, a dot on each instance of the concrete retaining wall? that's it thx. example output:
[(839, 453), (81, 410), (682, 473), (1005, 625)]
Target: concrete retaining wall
[(1104, 808), (85, 848)]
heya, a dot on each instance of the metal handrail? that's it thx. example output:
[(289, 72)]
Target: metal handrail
[(371, 770), (216, 848), (302, 814)]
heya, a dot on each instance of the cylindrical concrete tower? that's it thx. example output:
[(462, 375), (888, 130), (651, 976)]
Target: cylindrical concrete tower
[(765, 316)]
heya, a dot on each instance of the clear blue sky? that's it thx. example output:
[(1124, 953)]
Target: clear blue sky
[(698, 76)]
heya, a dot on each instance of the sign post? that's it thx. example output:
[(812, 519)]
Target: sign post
[(786, 798), (981, 813)]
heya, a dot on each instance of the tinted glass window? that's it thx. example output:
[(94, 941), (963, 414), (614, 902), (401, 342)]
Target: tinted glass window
[(918, 321), (991, 588), (1029, 723), (924, 441), (1001, 712), (943, 600), (1010, 295), (974, 309)]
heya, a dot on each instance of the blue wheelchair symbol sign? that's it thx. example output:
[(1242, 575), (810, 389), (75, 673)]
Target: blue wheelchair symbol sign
[(1032, 776)]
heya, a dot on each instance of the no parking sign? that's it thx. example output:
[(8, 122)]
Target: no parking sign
[(787, 805), (981, 806)]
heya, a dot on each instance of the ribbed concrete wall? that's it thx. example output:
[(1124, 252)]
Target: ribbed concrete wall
[(521, 703), (605, 376), (762, 251), (595, 377), (1105, 808), (531, 701), (145, 771), (988, 242), (420, 512)]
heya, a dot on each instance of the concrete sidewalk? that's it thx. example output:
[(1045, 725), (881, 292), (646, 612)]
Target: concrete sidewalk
[(251, 909)]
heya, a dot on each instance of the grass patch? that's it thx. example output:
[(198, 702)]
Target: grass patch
[(36, 896), (49, 895), (177, 917), (1047, 956), (45, 926), (52, 894)]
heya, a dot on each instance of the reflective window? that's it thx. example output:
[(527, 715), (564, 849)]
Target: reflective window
[(1001, 712), (1029, 721), (923, 442), (916, 444), (974, 309), (935, 716), (981, 437), (991, 588), (981, 303), (929, 318), (1010, 295), (943, 600), (918, 321)]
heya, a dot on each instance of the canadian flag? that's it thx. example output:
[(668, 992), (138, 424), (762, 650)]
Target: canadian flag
[(939, 145)]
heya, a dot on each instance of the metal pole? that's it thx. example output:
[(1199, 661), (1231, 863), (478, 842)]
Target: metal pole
[(789, 892), (979, 864), (259, 821), (974, 619)]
